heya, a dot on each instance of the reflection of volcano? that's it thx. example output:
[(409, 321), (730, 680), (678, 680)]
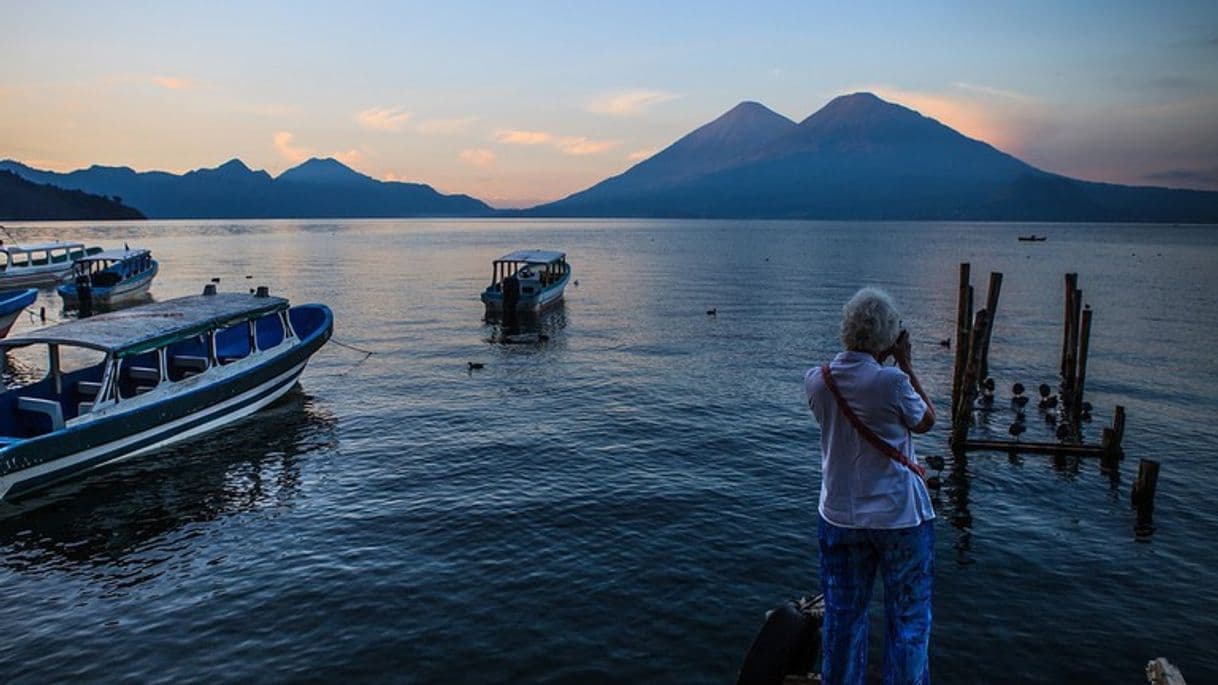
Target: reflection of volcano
[(125, 508)]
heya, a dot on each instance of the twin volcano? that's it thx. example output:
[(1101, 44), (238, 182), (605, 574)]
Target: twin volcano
[(860, 157)]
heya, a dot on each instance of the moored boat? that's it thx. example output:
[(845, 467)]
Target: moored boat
[(43, 264), (167, 371), (12, 303), (527, 281), (1033, 238), (110, 277)]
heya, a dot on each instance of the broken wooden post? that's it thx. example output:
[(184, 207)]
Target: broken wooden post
[(1071, 287), (1084, 341), (963, 412), (1142, 496), (991, 307), (963, 311)]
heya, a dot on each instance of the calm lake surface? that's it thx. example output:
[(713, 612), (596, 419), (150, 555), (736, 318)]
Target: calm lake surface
[(623, 502)]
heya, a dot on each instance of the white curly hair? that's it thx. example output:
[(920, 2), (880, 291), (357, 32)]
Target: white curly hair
[(870, 321)]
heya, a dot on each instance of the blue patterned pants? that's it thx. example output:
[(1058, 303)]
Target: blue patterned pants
[(849, 558)]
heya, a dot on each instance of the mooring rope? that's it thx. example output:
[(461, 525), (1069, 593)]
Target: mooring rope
[(367, 354)]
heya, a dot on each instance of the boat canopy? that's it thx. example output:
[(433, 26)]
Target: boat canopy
[(114, 255), (140, 329), (533, 256), (41, 247)]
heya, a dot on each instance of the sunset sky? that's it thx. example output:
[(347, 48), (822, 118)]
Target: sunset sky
[(522, 102)]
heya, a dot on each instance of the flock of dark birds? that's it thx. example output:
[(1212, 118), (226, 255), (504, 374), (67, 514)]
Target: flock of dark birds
[(1047, 405)]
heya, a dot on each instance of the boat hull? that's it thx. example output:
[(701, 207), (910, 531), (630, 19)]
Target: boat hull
[(114, 436), (127, 291), (35, 277), (527, 303), (11, 306)]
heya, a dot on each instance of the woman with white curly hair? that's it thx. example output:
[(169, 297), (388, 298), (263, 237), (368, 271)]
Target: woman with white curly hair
[(875, 512)]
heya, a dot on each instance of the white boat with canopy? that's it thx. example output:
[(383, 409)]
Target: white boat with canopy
[(527, 281), (43, 264)]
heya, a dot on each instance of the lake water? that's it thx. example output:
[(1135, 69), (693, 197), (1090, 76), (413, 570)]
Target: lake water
[(623, 502)]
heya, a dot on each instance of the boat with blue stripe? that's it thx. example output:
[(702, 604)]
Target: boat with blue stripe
[(109, 278), (127, 383), (526, 281), (12, 303)]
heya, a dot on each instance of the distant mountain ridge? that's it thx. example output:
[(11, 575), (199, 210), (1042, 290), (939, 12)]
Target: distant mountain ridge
[(22, 200), (860, 157), (317, 188)]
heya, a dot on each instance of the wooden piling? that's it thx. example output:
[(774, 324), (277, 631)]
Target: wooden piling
[(1112, 437), (963, 412), (991, 307), (1142, 496), (1080, 383), (963, 311), (1071, 287)]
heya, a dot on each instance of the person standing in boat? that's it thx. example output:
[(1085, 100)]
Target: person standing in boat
[(875, 511)]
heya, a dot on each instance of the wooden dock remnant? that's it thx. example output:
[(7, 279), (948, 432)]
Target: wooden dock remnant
[(974, 332)]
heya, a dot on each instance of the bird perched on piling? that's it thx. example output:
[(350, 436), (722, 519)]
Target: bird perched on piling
[(988, 384), (1044, 390), (1017, 429), (1063, 431)]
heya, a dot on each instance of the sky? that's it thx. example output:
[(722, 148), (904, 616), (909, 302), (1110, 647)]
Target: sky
[(518, 103)]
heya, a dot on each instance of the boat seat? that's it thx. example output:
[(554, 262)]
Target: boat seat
[(84, 408), (48, 408), (144, 373), (88, 388), (141, 389), (187, 362)]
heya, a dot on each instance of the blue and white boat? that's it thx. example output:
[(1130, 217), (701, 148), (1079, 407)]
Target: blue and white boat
[(158, 373), (42, 264), (527, 281), (110, 277), (12, 303)]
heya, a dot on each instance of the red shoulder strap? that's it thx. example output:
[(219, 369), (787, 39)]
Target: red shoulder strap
[(876, 441)]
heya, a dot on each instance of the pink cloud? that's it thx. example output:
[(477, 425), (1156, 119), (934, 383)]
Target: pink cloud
[(480, 157), (174, 82), (383, 118)]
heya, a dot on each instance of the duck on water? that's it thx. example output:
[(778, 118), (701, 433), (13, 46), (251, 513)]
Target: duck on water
[(167, 371)]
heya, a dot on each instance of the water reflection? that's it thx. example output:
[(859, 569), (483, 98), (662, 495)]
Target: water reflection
[(111, 516), (527, 327)]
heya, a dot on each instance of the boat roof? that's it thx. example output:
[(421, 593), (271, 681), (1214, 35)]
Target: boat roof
[(533, 256), (36, 247), (139, 329), (114, 255)]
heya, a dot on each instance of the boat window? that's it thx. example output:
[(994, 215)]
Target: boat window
[(139, 373), (20, 259), (269, 330), (187, 358), (232, 343), (39, 258)]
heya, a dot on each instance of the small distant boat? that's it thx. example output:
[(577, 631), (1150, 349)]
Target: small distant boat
[(110, 277), (527, 281), (12, 303), (167, 371), (1033, 238)]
